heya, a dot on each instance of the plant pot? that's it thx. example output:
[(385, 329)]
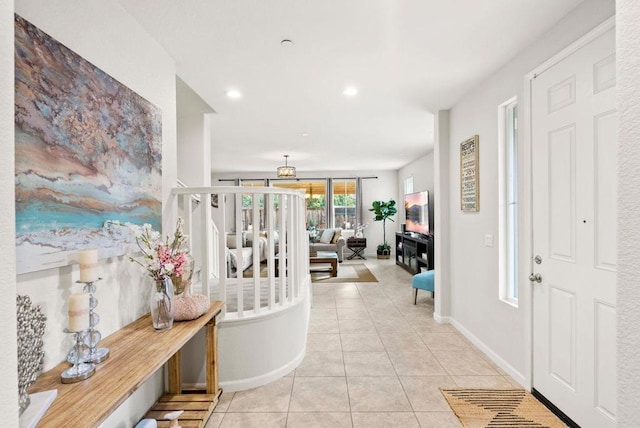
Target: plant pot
[(383, 254)]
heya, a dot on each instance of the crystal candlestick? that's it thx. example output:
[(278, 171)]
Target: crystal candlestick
[(80, 370), (92, 336)]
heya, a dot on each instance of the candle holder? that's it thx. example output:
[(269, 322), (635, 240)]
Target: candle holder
[(80, 370), (92, 336)]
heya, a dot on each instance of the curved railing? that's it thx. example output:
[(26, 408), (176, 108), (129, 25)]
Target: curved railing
[(252, 252), (249, 264)]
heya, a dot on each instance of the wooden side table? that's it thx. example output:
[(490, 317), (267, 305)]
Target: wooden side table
[(357, 247)]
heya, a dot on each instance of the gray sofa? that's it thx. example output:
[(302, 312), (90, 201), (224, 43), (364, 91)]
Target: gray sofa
[(333, 244)]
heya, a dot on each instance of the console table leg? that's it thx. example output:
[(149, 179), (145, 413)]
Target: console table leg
[(212, 357), (175, 377)]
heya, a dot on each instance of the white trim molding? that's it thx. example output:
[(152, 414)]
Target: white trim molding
[(516, 375)]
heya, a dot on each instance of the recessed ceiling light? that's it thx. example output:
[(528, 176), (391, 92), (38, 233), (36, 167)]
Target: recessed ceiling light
[(305, 134), (350, 91), (286, 43), (234, 93)]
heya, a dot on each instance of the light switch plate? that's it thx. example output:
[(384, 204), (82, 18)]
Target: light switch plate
[(488, 240)]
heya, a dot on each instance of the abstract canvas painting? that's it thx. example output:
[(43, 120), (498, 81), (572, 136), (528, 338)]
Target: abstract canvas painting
[(87, 150)]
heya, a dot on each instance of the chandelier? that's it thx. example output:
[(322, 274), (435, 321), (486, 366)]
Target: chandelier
[(286, 171)]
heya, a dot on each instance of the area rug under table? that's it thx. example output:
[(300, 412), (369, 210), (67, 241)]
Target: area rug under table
[(480, 408), (352, 272)]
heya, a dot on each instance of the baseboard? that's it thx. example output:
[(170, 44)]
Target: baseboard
[(254, 382), (442, 319), (516, 375)]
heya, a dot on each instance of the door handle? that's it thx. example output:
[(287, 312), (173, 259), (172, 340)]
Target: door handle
[(535, 277)]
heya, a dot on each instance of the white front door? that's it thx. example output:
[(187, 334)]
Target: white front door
[(574, 146)]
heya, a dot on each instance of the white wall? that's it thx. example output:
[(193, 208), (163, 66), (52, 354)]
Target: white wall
[(104, 34), (8, 356), (385, 187), (193, 151), (194, 136), (441, 229), (628, 292), (423, 173), (475, 307)]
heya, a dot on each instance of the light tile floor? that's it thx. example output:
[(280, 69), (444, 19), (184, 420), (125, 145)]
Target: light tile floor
[(373, 360)]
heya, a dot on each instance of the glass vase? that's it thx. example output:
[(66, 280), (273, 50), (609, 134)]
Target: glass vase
[(160, 304)]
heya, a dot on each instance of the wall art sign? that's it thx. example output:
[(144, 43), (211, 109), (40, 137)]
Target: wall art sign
[(87, 149), (469, 175)]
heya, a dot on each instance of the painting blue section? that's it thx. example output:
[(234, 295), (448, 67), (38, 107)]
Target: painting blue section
[(39, 217)]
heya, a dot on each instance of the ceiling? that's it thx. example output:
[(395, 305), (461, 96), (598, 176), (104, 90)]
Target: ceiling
[(407, 58)]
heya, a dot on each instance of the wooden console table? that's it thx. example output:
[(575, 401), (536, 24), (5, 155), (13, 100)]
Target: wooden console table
[(136, 352)]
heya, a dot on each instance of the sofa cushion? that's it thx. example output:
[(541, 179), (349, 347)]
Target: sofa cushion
[(323, 247), (327, 236), (264, 234), (247, 257)]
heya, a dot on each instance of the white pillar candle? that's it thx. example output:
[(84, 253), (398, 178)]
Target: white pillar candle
[(88, 265), (79, 312)]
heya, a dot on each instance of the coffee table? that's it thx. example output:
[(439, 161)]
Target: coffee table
[(324, 258)]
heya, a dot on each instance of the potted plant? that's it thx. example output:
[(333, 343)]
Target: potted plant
[(384, 211)]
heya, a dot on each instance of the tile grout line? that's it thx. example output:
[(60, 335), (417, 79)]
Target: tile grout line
[(344, 365), (394, 367)]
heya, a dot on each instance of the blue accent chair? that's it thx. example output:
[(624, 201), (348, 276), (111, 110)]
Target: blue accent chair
[(423, 281)]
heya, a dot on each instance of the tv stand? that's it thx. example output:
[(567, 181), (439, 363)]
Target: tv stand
[(414, 252)]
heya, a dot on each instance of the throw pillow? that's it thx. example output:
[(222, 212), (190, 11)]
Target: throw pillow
[(327, 236), (336, 236), (265, 234)]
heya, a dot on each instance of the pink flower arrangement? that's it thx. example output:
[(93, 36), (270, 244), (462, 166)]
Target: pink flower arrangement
[(168, 256), (161, 259)]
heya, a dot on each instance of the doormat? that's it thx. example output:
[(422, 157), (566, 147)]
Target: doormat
[(356, 272), (480, 408)]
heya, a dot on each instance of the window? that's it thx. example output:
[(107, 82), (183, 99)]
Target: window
[(316, 196), (247, 206), (408, 185), (508, 200), (344, 203), (331, 202)]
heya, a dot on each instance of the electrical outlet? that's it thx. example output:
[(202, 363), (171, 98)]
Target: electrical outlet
[(488, 240)]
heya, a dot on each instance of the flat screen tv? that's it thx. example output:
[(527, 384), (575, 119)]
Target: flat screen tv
[(416, 208)]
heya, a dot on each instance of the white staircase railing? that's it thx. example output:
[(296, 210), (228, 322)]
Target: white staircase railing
[(261, 267)]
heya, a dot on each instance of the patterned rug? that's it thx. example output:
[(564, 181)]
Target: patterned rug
[(515, 408), (352, 272)]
